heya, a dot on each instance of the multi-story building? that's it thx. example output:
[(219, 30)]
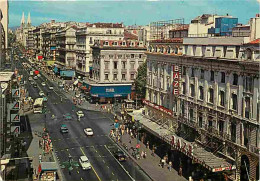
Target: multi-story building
[(86, 37), (115, 65), (205, 90), (4, 6)]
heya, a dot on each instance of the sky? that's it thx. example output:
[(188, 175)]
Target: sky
[(130, 12)]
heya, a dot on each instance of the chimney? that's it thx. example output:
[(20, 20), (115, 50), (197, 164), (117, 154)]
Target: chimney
[(52, 21), (257, 15)]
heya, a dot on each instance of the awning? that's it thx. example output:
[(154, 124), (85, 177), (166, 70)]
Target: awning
[(191, 149), (49, 166)]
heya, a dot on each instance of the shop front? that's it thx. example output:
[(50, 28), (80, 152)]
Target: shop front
[(47, 171)]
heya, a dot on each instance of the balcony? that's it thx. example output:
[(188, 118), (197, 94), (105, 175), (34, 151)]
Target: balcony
[(254, 149)]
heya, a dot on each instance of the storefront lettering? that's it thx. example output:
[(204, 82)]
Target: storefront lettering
[(176, 79), (160, 108), (182, 145), (110, 90)]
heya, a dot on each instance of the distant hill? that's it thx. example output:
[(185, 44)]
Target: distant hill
[(13, 28)]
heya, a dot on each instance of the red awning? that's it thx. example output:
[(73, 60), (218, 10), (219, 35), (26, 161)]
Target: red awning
[(79, 84), (84, 87)]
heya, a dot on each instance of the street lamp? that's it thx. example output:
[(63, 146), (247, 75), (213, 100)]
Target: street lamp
[(138, 128)]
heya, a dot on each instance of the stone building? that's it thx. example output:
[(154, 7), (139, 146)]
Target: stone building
[(210, 85)]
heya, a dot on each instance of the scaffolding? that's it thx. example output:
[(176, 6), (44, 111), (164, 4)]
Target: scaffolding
[(160, 30)]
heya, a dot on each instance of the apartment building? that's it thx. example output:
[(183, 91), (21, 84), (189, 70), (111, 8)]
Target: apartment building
[(115, 65), (4, 7), (87, 36), (205, 90)]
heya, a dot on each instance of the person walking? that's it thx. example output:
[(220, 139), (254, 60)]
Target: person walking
[(170, 166), (180, 171), (163, 162), (40, 158), (142, 154), (153, 150), (145, 154), (147, 144)]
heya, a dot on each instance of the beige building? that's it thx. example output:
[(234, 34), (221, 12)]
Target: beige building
[(4, 6), (117, 61), (86, 37)]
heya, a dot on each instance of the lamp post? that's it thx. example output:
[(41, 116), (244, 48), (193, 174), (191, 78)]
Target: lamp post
[(138, 128)]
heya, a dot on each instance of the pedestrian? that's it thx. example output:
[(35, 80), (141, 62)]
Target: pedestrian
[(180, 171), (170, 166), (147, 144), (39, 143), (153, 152), (190, 178), (40, 158), (142, 154), (163, 163), (130, 141), (145, 154)]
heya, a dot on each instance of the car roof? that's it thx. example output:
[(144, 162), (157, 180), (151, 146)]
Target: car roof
[(84, 158), (63, 125)]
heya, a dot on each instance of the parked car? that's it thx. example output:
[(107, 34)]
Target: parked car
[(80, 114), (88, 132), (30, 78), (51, 87), (35, 85), (43, 84), (64, 129), (84, 163), (120, 155), (35, 77), (67, 116)]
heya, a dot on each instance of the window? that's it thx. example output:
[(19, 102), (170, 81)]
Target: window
[(132, 76), (183, 88), (191, 115), (115, 65), (212, 77), (233, 132), (192, 90), (221, 126), (132, 55), (168, 84), (248, 84), (120, 56), (182, 109), (132, 65), (247, 107), (202, 74), (140, 55), (90, 40), (192, 72), (123, 77), (106, 43), (223, 77), (222, 98), (106, 76), (115, 76), (211, 95), (234, 101), (200, 121), (123, 65), (201, 93), (183, 70), (210, 123), (111, 56), (235, 79), (106, 65), (169, 70)]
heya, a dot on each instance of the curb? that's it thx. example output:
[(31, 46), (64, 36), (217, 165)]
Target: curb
[(132, 158), (59, 172)]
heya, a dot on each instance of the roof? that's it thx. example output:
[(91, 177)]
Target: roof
[(6, 76), (130, 36), (105, 25), (84, 158), (257, 41), (47, 166)]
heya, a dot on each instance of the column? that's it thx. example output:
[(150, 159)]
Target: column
[(238, 136), (254, 103), (227, 101), (240, 95)]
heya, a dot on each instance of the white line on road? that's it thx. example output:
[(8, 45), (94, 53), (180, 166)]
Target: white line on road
[(120, 164)]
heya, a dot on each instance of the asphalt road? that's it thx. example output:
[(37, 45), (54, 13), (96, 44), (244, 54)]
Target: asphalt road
[(98, 148)]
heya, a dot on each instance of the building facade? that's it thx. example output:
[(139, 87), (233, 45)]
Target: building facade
[(4, 6), (211, 86)]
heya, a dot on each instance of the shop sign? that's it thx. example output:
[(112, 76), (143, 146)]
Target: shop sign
[(160, 108), (15, 118), (110, 90), (182, 145), (15, 93), (223, 168), (15, 105), (15, 129), (176, 79)]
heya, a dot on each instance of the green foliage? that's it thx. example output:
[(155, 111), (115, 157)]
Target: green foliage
[(11, 38), (140, 81)]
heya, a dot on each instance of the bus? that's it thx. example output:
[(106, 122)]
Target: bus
[(38, 105)]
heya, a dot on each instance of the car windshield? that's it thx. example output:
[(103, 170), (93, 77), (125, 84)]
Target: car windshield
[(89, 130), (85, 161)]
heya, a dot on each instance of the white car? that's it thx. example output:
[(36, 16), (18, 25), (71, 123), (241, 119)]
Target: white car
[(43, 84), (80, 114), (30, 78), (84, 163), (88, 132), (35, 78), (39, 75), (41, 93), (51, 87)]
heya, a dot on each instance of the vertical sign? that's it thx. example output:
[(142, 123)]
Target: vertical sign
[(176, 79)]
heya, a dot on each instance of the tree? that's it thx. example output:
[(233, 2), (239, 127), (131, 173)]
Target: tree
[(140, 81), (11, 38)]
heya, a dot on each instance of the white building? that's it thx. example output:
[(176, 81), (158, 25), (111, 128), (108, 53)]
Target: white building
[(4, 6)]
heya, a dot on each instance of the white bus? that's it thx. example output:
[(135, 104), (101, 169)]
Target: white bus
[(38, 105)]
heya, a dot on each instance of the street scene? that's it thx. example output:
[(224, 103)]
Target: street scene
[(91, 93)]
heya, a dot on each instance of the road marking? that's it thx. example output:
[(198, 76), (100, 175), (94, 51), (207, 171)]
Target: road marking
[(104, 161), (107, 166), (120, 164), (91, 165), (72, 148), (67, 150)]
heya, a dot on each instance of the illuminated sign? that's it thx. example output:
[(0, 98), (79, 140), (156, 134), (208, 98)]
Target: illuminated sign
[(182, 145), (15, 93), (176, 79), (15, 105), (160, 108), (110, 90), (15, 118), (15, 129)]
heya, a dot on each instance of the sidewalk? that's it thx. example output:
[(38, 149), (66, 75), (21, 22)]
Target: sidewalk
[(34, 151), (150, 164)]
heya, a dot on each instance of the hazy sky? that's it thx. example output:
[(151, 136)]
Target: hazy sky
[(130, 12)]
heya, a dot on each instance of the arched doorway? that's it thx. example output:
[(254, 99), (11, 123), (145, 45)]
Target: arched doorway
[(244, 168)]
